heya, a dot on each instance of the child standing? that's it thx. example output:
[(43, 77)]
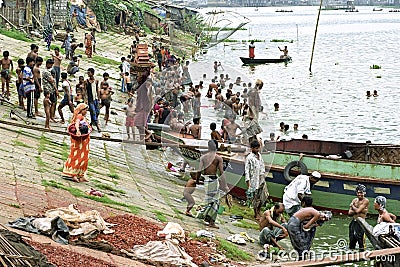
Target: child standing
[(6, 68), (68, 96), (46, 106), (20, 91), (128, 83), (130, 115)]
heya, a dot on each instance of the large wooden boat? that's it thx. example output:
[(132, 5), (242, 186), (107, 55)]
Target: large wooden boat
[(342, 165), (256, 61)]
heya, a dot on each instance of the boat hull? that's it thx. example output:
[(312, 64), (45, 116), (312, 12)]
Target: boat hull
[(256, 61), (336, 188)]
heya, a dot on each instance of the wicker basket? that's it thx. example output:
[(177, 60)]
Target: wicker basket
[(78, 137)]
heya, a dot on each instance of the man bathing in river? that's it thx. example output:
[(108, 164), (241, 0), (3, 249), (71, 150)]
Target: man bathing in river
[(210, 163), (384, 215), (302, 227), (358, 208), (271, 229)]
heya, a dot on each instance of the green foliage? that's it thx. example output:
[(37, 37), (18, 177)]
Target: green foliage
[(232, 252), (14, 205), (375, 67), (223, 29), (230, 41), (254, 40), (281, 41), (15, 35)]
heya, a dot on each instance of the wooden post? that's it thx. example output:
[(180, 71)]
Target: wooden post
[(315, 35)]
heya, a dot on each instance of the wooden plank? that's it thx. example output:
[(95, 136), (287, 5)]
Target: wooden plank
[(340, 259), (15, 27)]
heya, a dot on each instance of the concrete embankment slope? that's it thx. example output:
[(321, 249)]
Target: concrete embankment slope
[(134, 179)]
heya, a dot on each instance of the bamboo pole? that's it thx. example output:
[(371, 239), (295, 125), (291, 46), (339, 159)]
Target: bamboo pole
[(8, 21), (315, 34)]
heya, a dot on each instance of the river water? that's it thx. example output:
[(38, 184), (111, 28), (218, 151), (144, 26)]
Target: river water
[(330, 103)]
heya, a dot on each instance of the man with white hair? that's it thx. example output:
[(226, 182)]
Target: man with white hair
[(295, 191)]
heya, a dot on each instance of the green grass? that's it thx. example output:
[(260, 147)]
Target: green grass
[(109, 188), (19, 143), (53, 46), (42, 144), (79, 193), (281, 41), (230, 41), (178, 213), (41, 164), (15, 35), (64, 151), (247, 225), (231, 251), (244, 211), (255, 40), (14, 205), (103, 60), (160, 216), (113, 175)]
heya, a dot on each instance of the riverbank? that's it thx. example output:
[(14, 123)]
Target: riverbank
[(134, 180)]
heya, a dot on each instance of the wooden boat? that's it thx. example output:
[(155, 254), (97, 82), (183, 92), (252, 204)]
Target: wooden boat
[(342, 165), (255, 61)]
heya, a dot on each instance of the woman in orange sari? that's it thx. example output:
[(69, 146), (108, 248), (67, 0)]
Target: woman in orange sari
[(77, 163), (88, 44)]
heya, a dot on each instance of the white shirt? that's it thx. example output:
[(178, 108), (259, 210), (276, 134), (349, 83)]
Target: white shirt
[(254, 171), (126, 67), (67, 87), (300, 185)]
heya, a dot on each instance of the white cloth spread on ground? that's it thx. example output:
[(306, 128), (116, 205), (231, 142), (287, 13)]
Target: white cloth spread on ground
[(172, 230), (80, 223), (162, 251)]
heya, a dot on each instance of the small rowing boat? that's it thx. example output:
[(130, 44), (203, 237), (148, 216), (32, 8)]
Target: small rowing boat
[(255, 61)]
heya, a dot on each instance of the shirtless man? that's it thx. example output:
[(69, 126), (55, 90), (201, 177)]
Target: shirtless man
[(285, 51), (358, 208), (384, 215), (38, 83), (6, 68), (302, 227), (269, 219), (237, 107), (210, 163), (195, 129), (105, 96), (231, 129), (57, 58), (215, 135), (34, 52)]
